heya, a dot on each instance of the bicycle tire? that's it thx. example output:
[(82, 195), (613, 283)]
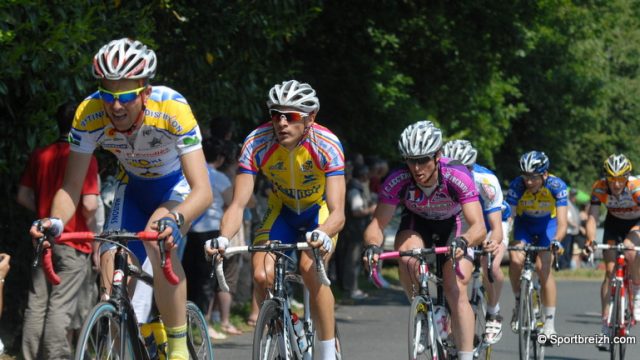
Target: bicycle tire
[(100, 335), (615, 349), (270, 339), (479, 306), (537, 326), (198, 341), (525, 321), (422, 331)]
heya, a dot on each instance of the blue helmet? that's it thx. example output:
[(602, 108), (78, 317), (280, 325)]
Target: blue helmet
[(534, 162)]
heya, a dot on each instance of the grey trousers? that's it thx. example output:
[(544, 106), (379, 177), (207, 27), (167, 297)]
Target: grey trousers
[(50, 308)]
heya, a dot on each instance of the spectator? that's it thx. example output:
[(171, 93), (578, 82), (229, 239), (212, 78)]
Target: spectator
[(200, 289), (573, 230), (379, 170), (358, 214), (4, 270), (49, 308)]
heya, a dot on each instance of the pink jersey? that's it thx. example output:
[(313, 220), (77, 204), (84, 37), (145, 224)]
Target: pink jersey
[(455, 187)]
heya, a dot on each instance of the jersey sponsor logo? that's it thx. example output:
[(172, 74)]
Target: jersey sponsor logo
[(90, 118), (154, 153), (164, 116), (74, 138), (562, 193), (113, 146), (307, 166), (298, 193), (144, 163), (308, 178), (489, 190), (277, 166), (463, 187), (393, 182), (155, 142), (190, 140)]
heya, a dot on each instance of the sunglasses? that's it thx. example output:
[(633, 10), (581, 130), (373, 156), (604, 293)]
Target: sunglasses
[(420, 161), (619, 179), (531, 177), (291, 116), (123, 96)]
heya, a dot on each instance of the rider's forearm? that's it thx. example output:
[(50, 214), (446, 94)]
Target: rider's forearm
[(64, 204), (195, 203), (334, 223), (231, 220)]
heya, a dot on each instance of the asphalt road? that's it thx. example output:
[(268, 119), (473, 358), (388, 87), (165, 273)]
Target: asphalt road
[(376, 328)]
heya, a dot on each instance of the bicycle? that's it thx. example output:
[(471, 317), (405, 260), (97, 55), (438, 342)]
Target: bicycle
[(275, 330), (111, 329), (530, 318), (425, 336), (620, 317), (479, 304)]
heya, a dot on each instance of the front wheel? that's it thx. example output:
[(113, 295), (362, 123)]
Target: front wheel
[(270, 339), (101, 334), (525, 322), (198, 340), (423, 343), (616, 350)]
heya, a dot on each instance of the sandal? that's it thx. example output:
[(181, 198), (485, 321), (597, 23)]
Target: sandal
[(215, 335), (251, 322), (230, 329)]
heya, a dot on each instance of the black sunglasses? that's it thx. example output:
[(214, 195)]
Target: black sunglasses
[(420, 161)]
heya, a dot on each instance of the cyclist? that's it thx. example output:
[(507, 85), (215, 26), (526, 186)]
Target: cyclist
[(439, 198), (163, 178), (619, 192), (492, 201), (540, 203), (304, 162)]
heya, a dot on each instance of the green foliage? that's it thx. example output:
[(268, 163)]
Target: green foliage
[(555, 75)]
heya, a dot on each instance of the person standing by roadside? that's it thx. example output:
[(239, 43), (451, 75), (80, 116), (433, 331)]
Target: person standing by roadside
[(49, 308)]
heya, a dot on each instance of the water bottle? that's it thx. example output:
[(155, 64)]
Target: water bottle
[(441, 320), (149, 340), (298, 327), (155, 339)]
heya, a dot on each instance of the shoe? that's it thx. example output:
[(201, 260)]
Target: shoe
[(514, 319), (230, 329), (636, 308), (602, 345), (549, 333), (358, 295), (215, 335), (493, 328)]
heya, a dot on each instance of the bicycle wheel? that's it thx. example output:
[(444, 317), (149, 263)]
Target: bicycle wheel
[(525, 321), (479, 307), (270, 339), (537, 324), (423, 343), (198, 340), (100, 335), (616, 350)]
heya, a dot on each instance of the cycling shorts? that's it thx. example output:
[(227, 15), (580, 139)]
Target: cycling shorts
[(135, 201), (527, 231), (435, 232), (616, 229), (285, 225)]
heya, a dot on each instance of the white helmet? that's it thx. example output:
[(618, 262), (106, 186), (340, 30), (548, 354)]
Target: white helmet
[(419, 140), (294, 94), (124, 59), (460, 150)]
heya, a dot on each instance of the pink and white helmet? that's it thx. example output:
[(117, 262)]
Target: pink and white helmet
[(124, 59)]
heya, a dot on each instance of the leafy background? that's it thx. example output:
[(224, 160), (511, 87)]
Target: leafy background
[(554, 75)]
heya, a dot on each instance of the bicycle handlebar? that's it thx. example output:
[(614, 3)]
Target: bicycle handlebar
[(533, 248), (376, 277), (270, 247), (113, 237), (619, 247)]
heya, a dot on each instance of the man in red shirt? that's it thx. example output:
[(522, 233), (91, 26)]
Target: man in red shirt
[(50, 307)]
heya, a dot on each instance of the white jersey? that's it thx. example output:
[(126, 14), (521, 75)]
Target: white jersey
[(489, 187)]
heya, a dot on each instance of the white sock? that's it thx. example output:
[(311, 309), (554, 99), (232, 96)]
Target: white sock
[(326, 350), (465, 355), (549, 319), (492, 310)]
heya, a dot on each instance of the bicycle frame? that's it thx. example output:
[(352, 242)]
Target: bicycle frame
[(620, 289), (278, 293)]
